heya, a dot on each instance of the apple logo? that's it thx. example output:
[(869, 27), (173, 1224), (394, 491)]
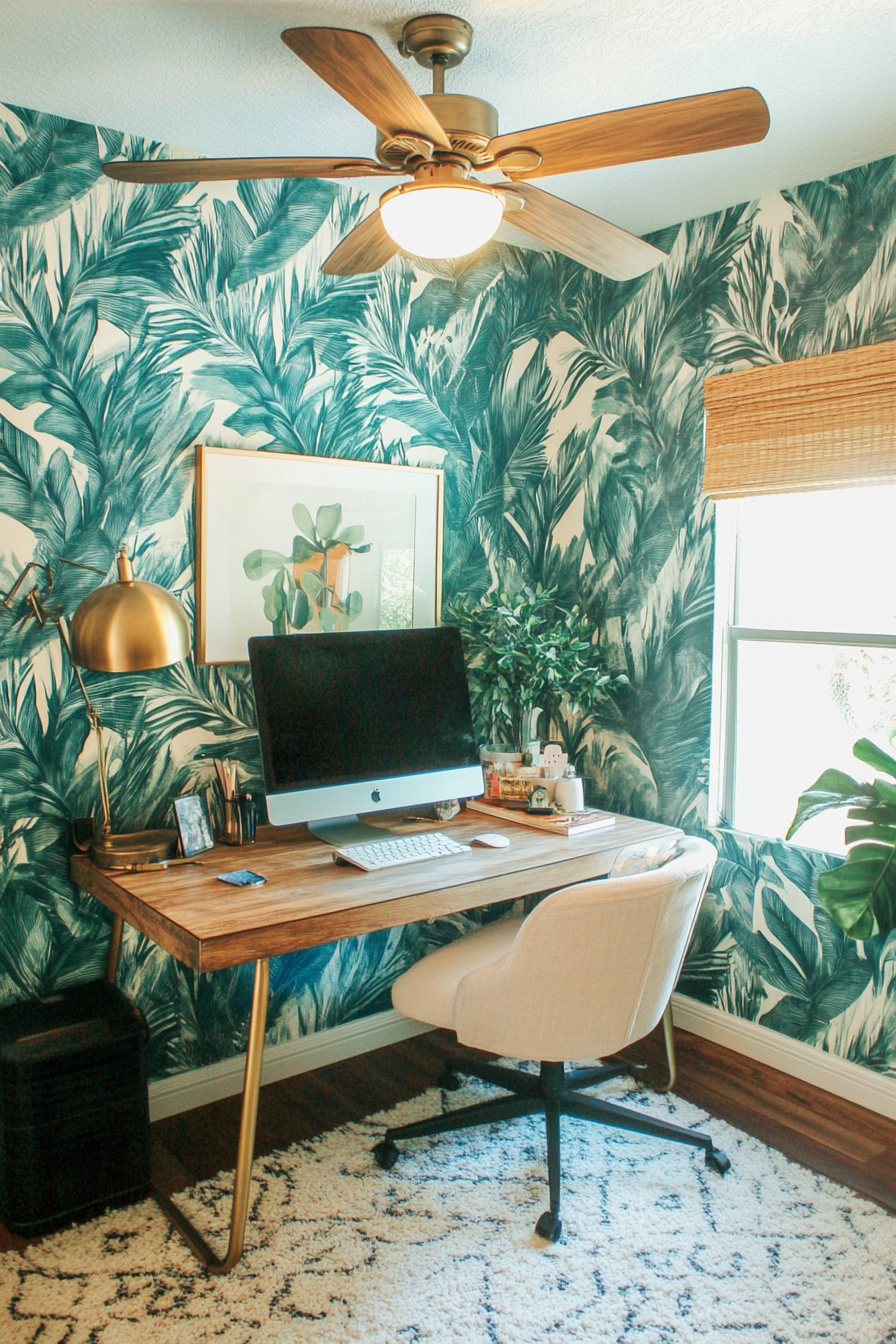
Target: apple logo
[(375, 795)]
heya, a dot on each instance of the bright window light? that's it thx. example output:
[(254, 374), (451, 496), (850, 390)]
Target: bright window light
[(805, 651), (437, 221)]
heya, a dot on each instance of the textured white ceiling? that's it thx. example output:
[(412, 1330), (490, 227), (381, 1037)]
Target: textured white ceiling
[(213, 77)]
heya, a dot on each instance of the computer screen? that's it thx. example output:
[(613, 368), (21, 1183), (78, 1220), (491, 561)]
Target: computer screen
[(356, 722)]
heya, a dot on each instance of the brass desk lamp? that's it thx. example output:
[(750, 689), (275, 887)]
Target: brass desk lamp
[(126, 626)]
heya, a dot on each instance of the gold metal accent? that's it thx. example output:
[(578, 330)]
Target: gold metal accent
[(517, 160), (512, 200), (245, 1147), (398, 150), (129, 626), (463, 115), (113, 956), (436, 40), (470, 124), (434, 175), (135, 849)]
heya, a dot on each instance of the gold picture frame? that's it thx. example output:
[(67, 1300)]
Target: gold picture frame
[(289, 543)]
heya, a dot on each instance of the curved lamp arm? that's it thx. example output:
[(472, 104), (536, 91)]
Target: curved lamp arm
[(35, 600)]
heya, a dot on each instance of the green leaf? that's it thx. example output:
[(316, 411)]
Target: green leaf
[(877, 814), (354, 604), (62, 164), (301, 610), (303, 521), (865, 750), (259, 563), (884, 791), (362, 550), (350, 536), (329, 516), (883, 831), (328, 619), (862, 891), (274, 599), (831, 789), (287, 214), (313, 585), (303, 550)]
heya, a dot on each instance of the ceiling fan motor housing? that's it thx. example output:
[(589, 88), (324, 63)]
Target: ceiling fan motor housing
[(470, 122)]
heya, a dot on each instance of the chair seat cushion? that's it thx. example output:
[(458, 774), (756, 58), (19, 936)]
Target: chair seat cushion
[(428, 991)]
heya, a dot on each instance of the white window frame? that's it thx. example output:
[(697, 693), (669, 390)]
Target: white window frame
[(728, 635)]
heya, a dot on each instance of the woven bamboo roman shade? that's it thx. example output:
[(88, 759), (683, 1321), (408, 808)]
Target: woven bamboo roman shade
[(811, 424)]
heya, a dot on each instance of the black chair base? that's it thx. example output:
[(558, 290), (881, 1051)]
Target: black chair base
[(554, 1092)]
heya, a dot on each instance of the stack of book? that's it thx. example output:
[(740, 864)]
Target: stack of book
[(558, 823)]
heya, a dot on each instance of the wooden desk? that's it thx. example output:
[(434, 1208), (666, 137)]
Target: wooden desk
[(309, 900)]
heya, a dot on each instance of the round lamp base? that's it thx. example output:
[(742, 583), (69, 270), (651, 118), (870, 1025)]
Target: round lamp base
[(123, 851)]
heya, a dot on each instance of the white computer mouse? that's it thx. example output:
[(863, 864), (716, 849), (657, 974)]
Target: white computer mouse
[(491, 840)]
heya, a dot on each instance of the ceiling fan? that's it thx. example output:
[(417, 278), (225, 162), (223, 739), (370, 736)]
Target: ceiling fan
[(441, 140)]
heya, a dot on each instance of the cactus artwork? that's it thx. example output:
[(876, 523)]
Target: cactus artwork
[(309, 589)]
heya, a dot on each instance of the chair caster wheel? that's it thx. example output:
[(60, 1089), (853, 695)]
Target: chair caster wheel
[(549, 1226), (716, 1159), (448, 1080), (386, 1154)]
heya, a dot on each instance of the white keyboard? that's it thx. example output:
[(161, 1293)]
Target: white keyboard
[(400, 849)]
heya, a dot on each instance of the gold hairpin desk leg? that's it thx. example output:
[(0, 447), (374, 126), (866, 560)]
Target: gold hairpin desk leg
[(669, 1037), (243, 1175), (114, 954)]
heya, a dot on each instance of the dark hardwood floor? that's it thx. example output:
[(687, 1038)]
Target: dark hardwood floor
[(844, 1141)]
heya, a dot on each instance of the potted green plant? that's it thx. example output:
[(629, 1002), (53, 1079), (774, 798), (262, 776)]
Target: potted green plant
[(860, 894), (528, 654)]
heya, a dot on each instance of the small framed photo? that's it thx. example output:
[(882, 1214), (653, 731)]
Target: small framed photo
[(193, 825)]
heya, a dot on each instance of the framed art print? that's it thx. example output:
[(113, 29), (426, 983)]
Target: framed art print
[(290, 544)]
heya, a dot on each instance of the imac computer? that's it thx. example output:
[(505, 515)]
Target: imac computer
[(362, 721)]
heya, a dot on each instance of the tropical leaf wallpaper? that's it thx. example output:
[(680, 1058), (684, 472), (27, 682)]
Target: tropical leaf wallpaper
[(566, 411)]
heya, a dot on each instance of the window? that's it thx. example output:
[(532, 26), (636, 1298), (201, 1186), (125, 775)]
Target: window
[(805, 658)]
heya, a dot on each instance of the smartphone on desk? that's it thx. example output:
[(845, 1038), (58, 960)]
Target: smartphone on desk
[(242, 878)]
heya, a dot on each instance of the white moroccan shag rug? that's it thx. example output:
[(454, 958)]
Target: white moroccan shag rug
[(655, 1248)]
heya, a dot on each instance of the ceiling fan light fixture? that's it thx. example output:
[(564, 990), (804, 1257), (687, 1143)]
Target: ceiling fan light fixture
[(441, 220)]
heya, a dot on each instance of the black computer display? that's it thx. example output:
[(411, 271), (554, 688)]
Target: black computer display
[(344, 717)]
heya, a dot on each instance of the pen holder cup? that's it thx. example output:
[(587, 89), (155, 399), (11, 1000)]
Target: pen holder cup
[(239, 820)]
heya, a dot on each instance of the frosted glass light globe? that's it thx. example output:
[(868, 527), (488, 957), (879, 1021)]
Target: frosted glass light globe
[(437, 221)]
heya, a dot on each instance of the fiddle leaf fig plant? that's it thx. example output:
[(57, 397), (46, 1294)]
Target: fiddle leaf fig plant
[(859, 895)]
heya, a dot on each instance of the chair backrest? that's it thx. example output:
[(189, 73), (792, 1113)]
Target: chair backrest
[(592, 967)]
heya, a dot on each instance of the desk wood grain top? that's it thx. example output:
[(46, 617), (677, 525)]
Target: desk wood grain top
[(308, 900)]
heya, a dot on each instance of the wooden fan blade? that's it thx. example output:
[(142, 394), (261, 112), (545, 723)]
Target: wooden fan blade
[(653, 131), (220, 170), (365, 249), (361, 72), (585, 237)]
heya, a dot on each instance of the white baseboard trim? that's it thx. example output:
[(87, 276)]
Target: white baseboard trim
[(836, 1075), (198, 1087)]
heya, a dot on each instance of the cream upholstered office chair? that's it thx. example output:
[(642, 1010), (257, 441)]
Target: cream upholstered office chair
[(590, 970)]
